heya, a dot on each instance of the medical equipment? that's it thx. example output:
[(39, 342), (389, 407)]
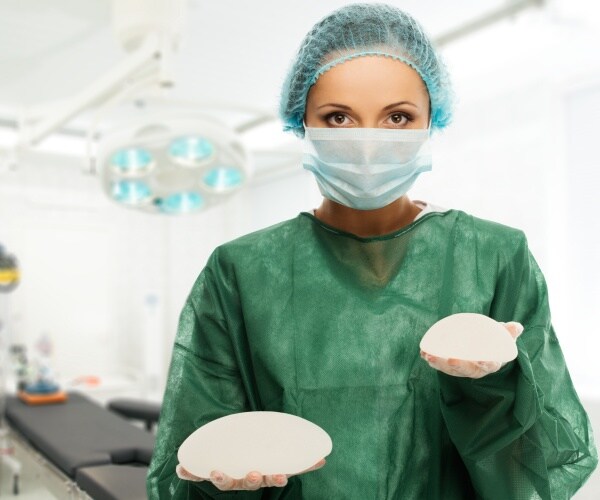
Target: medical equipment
[(470, 336), (42, 388), (455, 343), (81, 449), (9, 279), (20, 363), (77, 448), (171, 161), (9, 271), (265, 441)]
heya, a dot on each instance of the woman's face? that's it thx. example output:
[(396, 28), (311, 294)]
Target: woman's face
[(368, 92)]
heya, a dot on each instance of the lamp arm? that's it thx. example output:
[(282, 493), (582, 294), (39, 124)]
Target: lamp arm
[(149, 54)]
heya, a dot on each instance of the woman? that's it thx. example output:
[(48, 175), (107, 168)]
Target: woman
[(321, 316)]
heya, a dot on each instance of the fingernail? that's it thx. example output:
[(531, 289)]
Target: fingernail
[(254, 478), (217, 477)]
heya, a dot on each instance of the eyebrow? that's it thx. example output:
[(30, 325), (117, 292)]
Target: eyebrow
[(343, 106)]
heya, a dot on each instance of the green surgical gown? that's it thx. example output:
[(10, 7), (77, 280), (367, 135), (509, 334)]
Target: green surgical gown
[(309, 320)]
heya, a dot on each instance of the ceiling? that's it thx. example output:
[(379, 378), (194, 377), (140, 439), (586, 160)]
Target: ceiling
[(232, 50)]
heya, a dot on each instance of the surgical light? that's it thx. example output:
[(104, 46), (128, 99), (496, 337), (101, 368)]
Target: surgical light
[(170, 157), (181, 203), (131, 161), (172, 163), (223, 178), (191, 151), (131, 192)]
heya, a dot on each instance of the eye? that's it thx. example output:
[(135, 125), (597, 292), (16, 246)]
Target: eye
[(337, 119), (400, 119)]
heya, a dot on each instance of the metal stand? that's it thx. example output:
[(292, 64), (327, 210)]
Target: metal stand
[(7, 457)]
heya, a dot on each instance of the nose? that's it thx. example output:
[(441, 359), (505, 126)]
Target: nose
[(367, 123)]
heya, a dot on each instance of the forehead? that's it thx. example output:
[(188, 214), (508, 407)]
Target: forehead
[(373, 77)]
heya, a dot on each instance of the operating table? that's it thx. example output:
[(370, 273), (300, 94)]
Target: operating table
[(83, 449)]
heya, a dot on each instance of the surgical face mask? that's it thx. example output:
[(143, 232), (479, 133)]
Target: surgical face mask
[(366, 168)]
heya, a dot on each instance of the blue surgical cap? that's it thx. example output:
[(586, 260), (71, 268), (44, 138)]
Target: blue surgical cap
[(359, 30)]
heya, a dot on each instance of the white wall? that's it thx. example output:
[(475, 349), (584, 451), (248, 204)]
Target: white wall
[(81, 269), (107, 284)]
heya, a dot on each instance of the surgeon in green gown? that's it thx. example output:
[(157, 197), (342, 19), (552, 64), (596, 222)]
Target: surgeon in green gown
[(321, 316)]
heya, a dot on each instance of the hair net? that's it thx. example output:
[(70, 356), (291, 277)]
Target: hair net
[(358, 30)]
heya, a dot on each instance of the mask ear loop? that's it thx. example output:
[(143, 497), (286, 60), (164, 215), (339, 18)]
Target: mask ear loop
[(305, 127)]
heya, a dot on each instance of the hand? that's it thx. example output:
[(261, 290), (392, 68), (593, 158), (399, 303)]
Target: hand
[(471, 369), (253, 480)]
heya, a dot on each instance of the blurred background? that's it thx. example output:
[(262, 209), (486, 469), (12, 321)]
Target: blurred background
[(108, 243)]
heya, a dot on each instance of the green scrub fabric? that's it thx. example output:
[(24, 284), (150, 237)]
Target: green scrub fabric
[(309, 320)]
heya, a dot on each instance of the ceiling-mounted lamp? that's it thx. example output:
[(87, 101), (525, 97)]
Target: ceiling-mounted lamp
[(172, 164)]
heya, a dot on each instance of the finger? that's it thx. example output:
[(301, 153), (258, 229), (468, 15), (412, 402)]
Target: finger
[(252, 481), (442, 365), (460, 368), (277, 480), (463, 368), (188, 476), (483, 368), (451, 366), (430, 358), (223, 481), (318, 465), (434, 361), (514, 328), (489, 366), (423, 354), (431, 363), (478, 369)]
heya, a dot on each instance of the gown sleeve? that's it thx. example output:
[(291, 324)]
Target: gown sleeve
[(203, 384), (522, 432)]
